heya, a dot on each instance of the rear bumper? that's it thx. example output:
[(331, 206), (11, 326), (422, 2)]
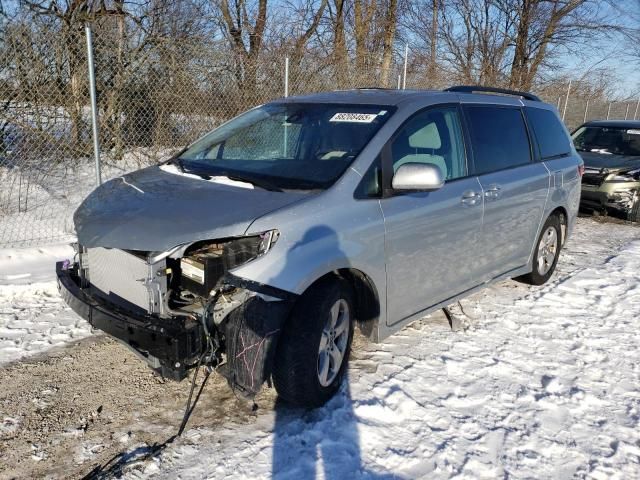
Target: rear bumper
[(170, 346)]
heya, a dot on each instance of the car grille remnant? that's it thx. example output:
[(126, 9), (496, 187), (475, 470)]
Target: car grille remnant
[(127, 279), (594, 177)]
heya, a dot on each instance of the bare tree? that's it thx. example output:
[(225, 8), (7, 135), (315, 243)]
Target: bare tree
[(474, 35), (363, 19), (544, 24), (389, 33), (340, 54), (245, 26)]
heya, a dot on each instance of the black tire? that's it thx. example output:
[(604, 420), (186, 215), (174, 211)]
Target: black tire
[(536, 277), (296, 368)]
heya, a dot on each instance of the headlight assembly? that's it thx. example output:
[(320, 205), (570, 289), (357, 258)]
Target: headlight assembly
[(630, 176), (621, 178), (205, 263)]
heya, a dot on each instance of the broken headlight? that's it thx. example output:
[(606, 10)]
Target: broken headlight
[(205, 263), (630, 176)]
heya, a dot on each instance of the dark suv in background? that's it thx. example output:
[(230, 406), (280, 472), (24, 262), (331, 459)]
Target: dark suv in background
[(611, 153)]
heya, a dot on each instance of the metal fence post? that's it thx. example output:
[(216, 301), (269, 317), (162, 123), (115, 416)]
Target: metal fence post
[(94, 103), (586, 109), (285, 140), (609, 110), (626, 112), (559, 100), (566, 101), (636, 112), (286, 77), (406, 57), (399, 81)]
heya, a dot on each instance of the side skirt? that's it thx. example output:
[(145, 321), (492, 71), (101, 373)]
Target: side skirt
[(385, 331)]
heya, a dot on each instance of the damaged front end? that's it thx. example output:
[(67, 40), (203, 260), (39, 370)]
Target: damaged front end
[(615, 190), (183, 308)]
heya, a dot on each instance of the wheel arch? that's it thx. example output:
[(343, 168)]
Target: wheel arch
[(562, 214), (366, 298)]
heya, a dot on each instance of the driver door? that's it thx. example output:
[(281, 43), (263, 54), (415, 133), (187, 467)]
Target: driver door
[(431, 237)]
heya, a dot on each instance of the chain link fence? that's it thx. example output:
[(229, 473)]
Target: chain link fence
[(579, 110), (153, 97)]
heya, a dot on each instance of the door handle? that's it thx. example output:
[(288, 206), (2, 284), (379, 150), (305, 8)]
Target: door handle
[(471, 198), (493, 191)]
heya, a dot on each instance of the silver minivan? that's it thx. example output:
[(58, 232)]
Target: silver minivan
[(261, 247)]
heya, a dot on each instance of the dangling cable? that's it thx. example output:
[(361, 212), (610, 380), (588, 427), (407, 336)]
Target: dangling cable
[(191, 407), (212, 347)]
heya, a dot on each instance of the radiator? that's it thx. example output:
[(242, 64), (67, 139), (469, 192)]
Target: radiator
[(120, 275)]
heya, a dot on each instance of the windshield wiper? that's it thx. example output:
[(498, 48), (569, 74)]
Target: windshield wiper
[(176, 160)]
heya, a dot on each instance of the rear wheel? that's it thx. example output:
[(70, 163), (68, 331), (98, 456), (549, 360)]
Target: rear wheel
[(313, 350), (546, 253)]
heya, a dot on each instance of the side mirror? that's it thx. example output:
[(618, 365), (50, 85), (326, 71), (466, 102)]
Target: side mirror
[(423, 177)]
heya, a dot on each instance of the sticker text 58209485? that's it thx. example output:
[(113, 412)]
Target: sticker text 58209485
[(354, 117)]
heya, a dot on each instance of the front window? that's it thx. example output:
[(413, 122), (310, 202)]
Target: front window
[(434, 137), (608, 140), (287, 145)]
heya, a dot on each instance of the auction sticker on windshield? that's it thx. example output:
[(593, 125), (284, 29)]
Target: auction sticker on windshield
[(354, 117)]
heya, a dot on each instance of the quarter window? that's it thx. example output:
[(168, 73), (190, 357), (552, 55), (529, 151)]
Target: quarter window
[(433, 136), (498, 137), (551, 135)]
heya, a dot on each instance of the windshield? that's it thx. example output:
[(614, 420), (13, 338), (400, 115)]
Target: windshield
[(611, 140), (287, 145)]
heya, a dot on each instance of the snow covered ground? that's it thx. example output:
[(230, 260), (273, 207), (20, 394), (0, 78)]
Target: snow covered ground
[(33, 317), (542, 382)]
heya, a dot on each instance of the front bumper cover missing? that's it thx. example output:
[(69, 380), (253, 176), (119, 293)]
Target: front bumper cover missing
[(173, 345)]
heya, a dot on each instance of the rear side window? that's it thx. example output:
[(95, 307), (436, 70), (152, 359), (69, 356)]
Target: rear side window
[(551, 136), (498, 137)]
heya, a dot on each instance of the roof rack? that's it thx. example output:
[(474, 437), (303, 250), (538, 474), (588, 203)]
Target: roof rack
[(375, 88), (503, 91)]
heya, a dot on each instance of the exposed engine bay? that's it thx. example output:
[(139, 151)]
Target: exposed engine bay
[(183, 308)]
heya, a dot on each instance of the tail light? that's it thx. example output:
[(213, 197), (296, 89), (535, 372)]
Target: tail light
[(581, 169)]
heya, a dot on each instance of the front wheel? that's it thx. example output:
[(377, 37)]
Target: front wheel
[(313, 350), (546, 253)]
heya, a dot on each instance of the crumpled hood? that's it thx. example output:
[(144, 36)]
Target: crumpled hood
[(154, 210), (610, 162)]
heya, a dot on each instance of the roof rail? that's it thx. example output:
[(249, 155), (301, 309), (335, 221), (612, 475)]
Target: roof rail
[(503, 91), (375, 88)]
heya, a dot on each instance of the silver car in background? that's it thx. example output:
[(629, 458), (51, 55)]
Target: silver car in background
[(261, 247)]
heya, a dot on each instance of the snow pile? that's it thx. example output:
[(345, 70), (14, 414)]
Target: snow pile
[(30, 265), (33, 317), (543, 384), (170, 168)]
